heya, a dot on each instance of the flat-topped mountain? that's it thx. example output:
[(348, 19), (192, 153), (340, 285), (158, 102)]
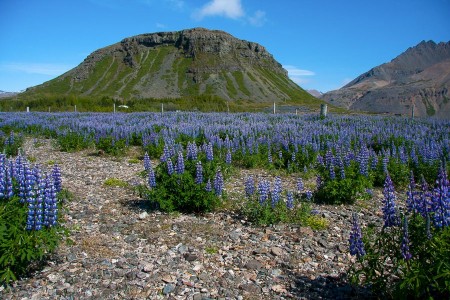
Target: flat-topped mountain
[(179, 64), (419, 78)]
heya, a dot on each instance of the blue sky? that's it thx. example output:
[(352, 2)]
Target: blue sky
[(323, 44)]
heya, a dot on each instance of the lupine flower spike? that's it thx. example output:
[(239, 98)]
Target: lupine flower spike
[(405, 241), (389, 211), (355, 240), (249, 186)]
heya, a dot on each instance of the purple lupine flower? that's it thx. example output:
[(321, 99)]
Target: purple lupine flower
[(166, 154), (147, 162), (364, 162), (414, 157), (199, 173), (424, 198), (385, 164), (208, 186), (355, 240), (389, 211), (293, 157), (276, 192), (405, 241), (309, 195), (39, 190), (169, 166), (218, 183), (3, 175), (320, 160), (300, 185), (9, 179), (411, 194), (50, 204), (374, 162), (269, 157), (331, 170), (191, 151), (441, 200), (263, 189), (228, 157), (280, 155), (180, 163), (290, 200), (151, 177), (29, 184), (329, 158), (319, 181), (249, 186), (56, 175), (341, 167), (209, 152)]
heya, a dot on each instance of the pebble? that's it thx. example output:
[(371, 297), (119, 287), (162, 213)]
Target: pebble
[(122, 249)]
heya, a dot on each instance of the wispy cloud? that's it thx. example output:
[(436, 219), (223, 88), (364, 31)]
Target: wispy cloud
[(179, 4), (227, 8), (160, 25), (298, 75), (36, 68), (258, 19)]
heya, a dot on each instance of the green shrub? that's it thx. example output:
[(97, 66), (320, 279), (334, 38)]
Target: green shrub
[(116, 147), (72, 141), (180, 192), (10, 143), (409, 257)]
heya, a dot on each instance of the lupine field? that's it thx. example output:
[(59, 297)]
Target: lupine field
[(339, 160)]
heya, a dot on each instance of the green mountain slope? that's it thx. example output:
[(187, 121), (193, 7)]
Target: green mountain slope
[(179, 66)]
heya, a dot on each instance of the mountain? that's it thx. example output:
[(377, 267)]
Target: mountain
[(4, 94), (315, 93), (419, 78), (176, 65)]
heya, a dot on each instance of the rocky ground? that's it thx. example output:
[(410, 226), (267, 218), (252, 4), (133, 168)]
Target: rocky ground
[(119, 249)]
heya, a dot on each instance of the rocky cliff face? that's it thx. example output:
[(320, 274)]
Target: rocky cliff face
[(419, 78), (177, 64)]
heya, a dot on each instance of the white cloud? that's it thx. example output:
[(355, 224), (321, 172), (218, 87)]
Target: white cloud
[(227, 8), (294, 71), (258, 19), (298, 75), (37, 68)]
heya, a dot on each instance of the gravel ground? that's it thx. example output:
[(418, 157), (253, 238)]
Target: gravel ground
[(122, 250)]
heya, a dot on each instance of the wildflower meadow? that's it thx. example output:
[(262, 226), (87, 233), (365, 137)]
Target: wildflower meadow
[(188, 158)]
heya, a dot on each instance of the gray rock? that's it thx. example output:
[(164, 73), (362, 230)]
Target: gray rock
[(190, 256), (253, 264), (168, 288), (251, 288), (276, 251)]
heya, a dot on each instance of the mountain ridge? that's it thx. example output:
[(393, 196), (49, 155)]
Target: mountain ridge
[(419, 77), (179, 64)]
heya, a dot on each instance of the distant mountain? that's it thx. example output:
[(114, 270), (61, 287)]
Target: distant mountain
[(4, 94), (179, 64), (315, 93), (419, 78)]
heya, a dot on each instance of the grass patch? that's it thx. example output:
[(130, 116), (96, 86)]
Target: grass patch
[(134, 161), (115, 182)]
